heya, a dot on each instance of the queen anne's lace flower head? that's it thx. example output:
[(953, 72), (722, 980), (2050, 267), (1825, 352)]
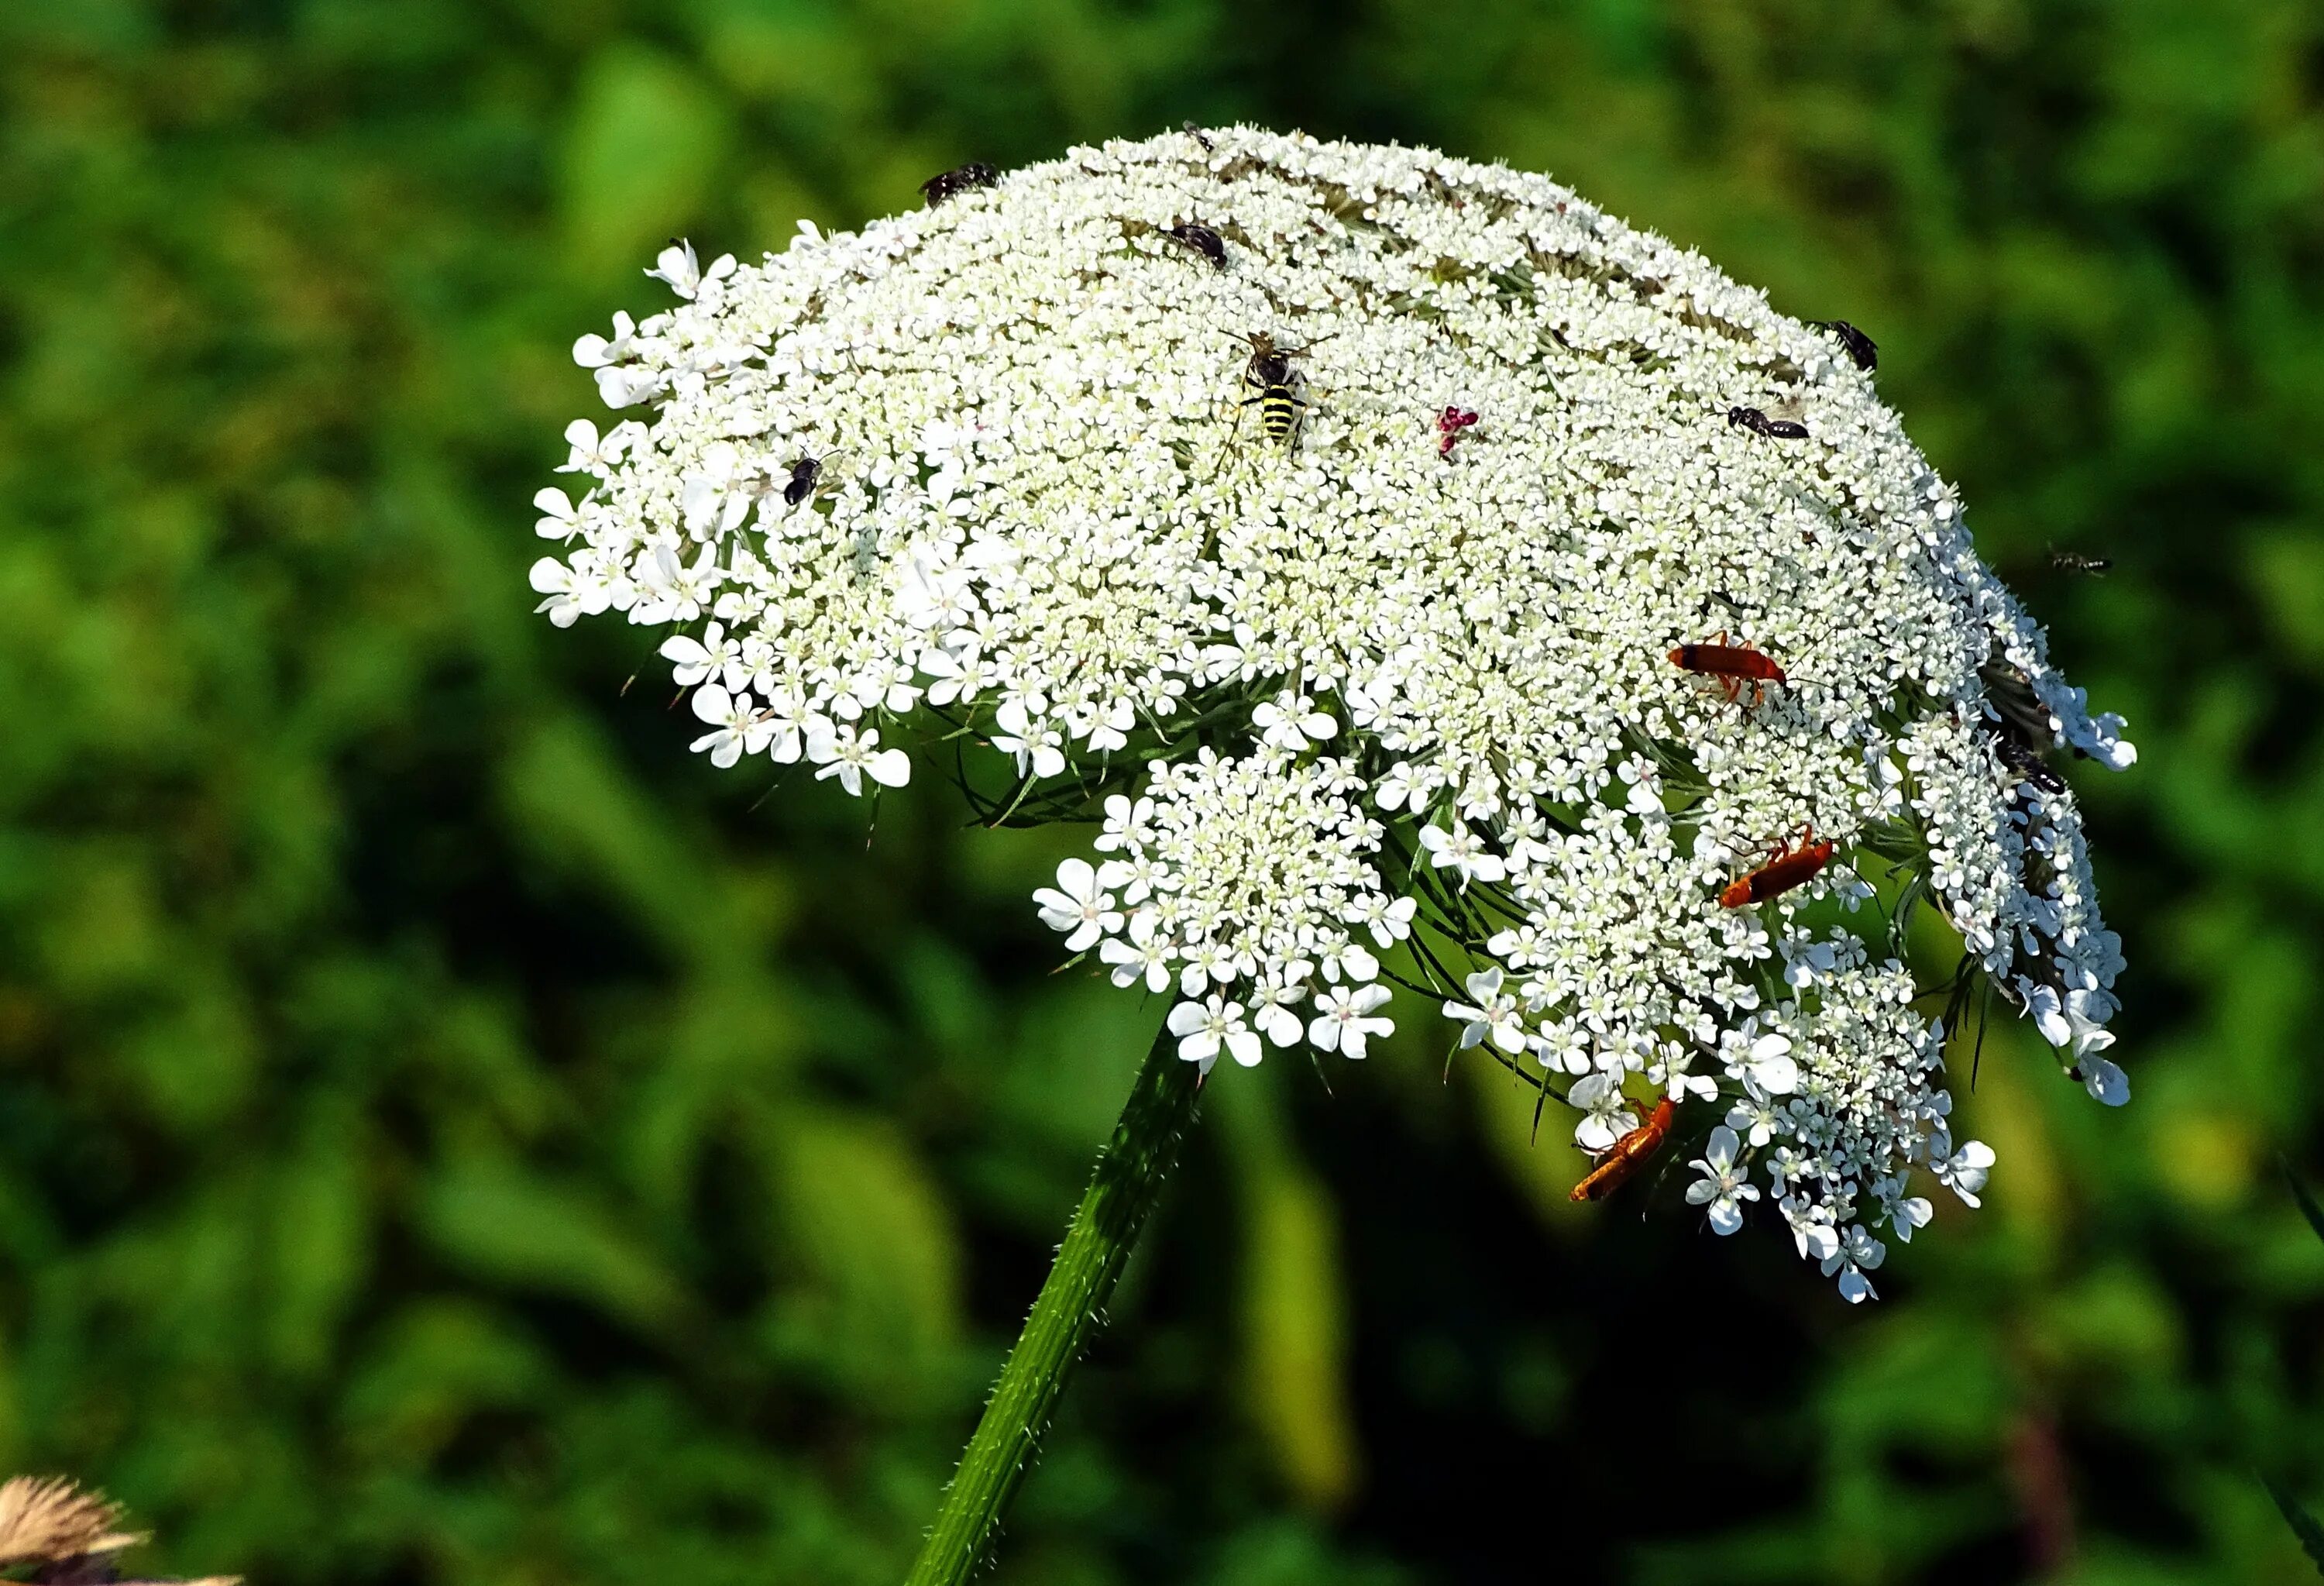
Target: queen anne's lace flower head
[(1322, 519)]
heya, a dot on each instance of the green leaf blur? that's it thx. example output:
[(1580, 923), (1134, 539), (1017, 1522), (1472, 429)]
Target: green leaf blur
[(448, 1134)]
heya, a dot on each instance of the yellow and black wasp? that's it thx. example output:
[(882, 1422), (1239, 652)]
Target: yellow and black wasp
[(1268, 372)]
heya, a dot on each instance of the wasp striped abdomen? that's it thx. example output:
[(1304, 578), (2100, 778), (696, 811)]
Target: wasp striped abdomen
[(1278, 411)]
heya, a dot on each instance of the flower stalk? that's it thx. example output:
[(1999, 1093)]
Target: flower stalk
[(1122, 1193)]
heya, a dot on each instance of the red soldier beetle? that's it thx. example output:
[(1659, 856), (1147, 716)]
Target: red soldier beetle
[(1623, 1157), (1734, 667), (1787, 867)]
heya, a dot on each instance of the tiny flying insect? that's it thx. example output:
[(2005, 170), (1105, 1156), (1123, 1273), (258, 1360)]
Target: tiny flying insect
[(1787, 866), (1735, 667), (2074, 561), (965, 179), (1758, 423), (1860, 347), (1625, 1156), (1197, 237)]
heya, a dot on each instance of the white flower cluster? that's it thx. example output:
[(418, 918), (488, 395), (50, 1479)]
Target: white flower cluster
[(1400, 696), (1243, 882)]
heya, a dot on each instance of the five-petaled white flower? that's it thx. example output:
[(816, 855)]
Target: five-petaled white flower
[(1080, 903), (1645, 788), (1344, 1022), (574, 590), (1462, 851), (839, 751), (558, 521), (1908, 1213), (684, 273), (1607, 1114), (1144, 957), (591, 453), (1723, 1187), (1765, 1066), (1857, 1252), (1493, 1015), (1039, 747), (1755, 1118), (1389, 921), (597, 352), (1565, 1045), (1203, 1028), (2075, 1021), (1963, 1171), (742, 727), (1291, 722), (698, 660)]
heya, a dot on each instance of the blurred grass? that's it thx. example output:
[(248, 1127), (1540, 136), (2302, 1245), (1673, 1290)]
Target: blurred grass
[(448, 1134)]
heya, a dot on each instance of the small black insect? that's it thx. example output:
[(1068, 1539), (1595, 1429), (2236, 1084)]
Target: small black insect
[(2074, 561), (1860, 347), (804, 474), (2026, 763), (1195, 132), (1758, 423), (1200, 239), (967, 179)]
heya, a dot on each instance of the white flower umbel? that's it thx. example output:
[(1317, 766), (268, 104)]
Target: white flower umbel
[(1253, 873), (1001, 472)]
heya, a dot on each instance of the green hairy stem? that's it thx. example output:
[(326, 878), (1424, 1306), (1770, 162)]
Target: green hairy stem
[(1122, 1192)]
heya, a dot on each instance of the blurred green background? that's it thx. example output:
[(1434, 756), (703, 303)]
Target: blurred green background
[(448, 1134)]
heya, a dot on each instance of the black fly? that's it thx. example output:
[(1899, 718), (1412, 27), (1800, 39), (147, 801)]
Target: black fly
[(967, 179), (1860, 347), (1758, 423), (1200, 239)]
